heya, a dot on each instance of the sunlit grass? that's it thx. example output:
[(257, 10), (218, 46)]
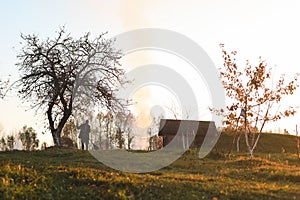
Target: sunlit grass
[(74, 174)]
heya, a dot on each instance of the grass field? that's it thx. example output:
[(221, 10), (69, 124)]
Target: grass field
[(274, 173)]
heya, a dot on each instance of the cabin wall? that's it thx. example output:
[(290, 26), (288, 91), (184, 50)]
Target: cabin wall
[(182, 141)]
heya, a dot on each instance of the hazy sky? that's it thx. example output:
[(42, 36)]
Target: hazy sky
[(254, 28)]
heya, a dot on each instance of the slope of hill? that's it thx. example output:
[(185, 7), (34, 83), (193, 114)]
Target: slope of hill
[(268, 143), (75, 174)]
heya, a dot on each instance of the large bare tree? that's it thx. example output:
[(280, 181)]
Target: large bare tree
[(253, 92), (54, 71)]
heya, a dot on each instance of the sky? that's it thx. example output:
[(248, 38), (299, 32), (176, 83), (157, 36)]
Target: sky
[(254, 28)]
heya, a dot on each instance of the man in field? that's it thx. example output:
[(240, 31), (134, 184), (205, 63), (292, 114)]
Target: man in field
[(84, 134)]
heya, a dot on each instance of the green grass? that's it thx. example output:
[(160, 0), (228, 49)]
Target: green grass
[(75, 174), (268, 143)]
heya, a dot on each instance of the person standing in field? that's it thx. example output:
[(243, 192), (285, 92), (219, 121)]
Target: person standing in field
[(84, 134)]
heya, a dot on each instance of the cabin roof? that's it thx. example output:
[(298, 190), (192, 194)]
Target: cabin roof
[(172, 127)]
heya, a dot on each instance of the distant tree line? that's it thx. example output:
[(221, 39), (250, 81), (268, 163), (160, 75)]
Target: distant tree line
[(111, 131), (27, 136)]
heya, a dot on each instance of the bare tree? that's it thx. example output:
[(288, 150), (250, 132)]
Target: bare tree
[(128, 129), (154, 128), (101, 120), (54, 71), (113, 130), (174, 110), (124, 123), (108, 129), (253, 90)]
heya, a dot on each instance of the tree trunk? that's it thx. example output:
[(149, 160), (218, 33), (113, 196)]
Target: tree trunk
[(56, 137), (299, 147), (56, 132), (100, 135), (238, 143), (129, 140), (107, 136), (251, 153)]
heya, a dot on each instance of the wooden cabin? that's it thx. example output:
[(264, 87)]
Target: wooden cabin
[(185, 133)]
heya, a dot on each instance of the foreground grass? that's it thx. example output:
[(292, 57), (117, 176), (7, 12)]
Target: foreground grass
[(73, 174)]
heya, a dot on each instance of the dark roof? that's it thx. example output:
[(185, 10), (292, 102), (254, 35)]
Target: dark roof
[(172, 127)]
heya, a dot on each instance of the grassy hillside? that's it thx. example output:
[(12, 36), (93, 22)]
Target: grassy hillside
[(75, 174), (268, 143)]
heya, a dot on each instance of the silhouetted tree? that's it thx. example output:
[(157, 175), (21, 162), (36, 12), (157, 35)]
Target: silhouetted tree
[(119, 138), (153, 132), (108, 128), (2, 140), (113, 130), (3, 144), (63, 73), (123, 124), (128, 129), (10, 141), (28, 137), (253, 90), (101, 120)]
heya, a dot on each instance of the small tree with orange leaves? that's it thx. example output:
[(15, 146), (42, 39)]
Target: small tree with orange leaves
[(252, 90)]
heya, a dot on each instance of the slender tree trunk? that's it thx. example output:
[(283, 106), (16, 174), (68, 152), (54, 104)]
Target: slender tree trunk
[(100, 135), (246, 133), (238, 143), (299, 147), (251, 153), (183, 144), (100, 138), (187, 141), (107, 135), (236, 133), (129, 140), (298, 142), (248, 145)]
